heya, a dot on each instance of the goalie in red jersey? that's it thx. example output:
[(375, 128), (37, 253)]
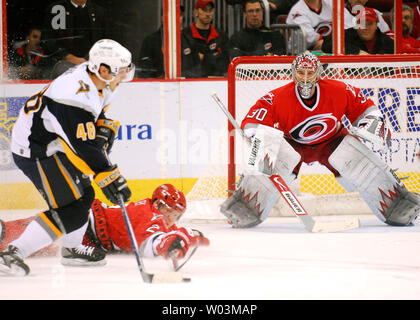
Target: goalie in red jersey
[(302, 122), (154, 224)]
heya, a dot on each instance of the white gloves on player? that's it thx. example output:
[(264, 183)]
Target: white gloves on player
[(373, 129)]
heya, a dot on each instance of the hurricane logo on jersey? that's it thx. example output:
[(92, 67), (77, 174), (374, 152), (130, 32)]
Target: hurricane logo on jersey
[(324, 29), (268, 97), (314, 128)]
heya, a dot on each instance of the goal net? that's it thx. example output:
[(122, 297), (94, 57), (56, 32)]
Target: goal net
[(391, 81)]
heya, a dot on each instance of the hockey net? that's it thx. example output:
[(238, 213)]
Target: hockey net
[(391, 81)]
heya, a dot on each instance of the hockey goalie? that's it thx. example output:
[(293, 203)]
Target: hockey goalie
[(302, 122)]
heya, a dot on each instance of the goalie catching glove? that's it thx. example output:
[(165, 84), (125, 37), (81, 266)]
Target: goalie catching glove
[(106, 131), (112, 184), (175, 244), (373, 128)]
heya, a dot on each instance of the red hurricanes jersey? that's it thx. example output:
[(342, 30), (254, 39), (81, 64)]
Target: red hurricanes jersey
[(284, 109), (145, 219)]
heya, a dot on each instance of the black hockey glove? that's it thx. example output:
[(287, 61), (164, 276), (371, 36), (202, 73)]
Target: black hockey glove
[(106, 131), (113, 183)]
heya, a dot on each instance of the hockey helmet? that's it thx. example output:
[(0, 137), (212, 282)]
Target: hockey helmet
[(306, 61), (166, 196), (113, 55)]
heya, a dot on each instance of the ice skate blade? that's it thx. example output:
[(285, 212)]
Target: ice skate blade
[(13, 271), (82, 263)]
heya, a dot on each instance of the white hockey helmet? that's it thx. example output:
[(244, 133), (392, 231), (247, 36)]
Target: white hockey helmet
[(306, 61), (113, 55)]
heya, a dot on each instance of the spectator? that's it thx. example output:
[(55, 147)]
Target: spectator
[(354, 6), (365, 38), (72, 27), (151, 61), (409, 44), (315, 16), (203, 48), (415, 33), (277, 7), (28, 60), (255, 39)]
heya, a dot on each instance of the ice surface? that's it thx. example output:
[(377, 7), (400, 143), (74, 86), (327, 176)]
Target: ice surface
[(276, 260)]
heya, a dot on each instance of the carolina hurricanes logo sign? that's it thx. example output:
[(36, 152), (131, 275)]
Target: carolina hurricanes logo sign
[(314, 128), (324, 28)]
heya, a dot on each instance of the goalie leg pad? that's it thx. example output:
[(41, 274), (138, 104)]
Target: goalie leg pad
[(271, 154), (252, 202), (382, 190)]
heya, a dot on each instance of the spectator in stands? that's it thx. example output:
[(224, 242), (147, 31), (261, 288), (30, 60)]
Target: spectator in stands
[(255, 39), (28, 60), (354, 6), (409, 44), (365, 38), (315, 17), (277, 7), (415, 33), (151, 60), (72, 27), (203, 48)]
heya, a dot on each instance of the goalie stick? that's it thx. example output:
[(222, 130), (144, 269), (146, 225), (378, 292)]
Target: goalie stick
[(147, 277), (309, 223)]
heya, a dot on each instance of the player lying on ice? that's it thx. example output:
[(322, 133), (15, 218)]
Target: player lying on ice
[(154, 224), (301, 122)]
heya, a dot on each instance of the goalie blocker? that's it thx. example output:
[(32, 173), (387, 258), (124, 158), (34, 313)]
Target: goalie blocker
[(358, 167)]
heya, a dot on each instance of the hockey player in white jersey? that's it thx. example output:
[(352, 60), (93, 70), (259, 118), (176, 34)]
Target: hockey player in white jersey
[(59, 141)]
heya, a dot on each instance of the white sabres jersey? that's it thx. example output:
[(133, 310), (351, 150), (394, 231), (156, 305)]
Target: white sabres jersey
[(316, 23), (62, 117)]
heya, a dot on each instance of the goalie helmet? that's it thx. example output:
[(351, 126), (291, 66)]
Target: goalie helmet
[(113, 55), (170, 202), (306, 61)]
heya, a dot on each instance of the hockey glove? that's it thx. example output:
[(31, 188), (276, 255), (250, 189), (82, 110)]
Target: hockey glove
[(173, 245), (113, 183), (195, 237), (374, 129), (106, 131)]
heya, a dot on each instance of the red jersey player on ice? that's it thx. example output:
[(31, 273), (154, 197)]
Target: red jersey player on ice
[(154, 224), (302, 122)]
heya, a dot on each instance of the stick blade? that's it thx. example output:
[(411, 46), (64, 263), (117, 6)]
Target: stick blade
[(336, 226), (169, 277)]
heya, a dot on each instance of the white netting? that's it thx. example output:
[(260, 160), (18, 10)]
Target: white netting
[(393, 85)]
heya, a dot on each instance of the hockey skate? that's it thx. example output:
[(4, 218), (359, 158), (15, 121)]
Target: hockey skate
[(83, 255), (11, 262)]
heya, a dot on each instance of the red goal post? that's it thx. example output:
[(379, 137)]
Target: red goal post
[(392, 81)]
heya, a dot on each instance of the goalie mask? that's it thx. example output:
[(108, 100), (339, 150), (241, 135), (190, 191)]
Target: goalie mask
[(170, 202), (306, 70), (114, 56)]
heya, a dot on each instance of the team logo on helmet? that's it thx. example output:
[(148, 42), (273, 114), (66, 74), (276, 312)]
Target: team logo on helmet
[(306, 61)]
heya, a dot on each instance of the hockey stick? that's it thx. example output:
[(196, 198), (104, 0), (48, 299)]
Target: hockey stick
[(179, 266), (310, 224), (147, 277)]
